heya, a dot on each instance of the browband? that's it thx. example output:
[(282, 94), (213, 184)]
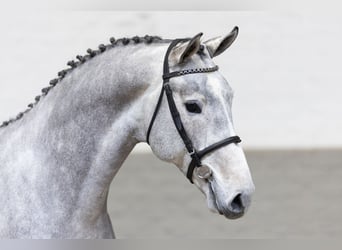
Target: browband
[(189, 71)]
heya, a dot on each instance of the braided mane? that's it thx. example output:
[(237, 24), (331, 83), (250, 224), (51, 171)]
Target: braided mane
[(81, 60)]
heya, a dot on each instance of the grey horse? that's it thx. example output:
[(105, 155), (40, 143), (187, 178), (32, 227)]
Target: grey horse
[(58, 157)]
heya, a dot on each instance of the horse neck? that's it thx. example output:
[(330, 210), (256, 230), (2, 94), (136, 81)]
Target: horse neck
[(88, 123)]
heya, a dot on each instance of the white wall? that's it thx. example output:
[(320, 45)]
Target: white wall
[(285, 67)]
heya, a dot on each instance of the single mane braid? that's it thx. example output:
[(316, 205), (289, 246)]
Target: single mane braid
[(80, 60)]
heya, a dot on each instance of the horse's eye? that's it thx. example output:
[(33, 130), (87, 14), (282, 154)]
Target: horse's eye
[(193, 107)]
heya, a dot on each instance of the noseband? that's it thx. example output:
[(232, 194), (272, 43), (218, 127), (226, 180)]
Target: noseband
[(195, 155)]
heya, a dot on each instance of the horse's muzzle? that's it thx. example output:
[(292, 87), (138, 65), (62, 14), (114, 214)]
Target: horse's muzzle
[(236, 207)]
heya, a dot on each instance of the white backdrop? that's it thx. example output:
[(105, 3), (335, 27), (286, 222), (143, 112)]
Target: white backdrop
[(285, 68)]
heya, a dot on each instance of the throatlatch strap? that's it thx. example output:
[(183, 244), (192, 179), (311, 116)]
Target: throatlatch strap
[(154, 115)]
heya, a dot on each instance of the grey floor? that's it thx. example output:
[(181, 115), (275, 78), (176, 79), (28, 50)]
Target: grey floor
[(298, 195)]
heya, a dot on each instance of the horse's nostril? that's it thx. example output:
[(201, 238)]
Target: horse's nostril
[(237, 205)]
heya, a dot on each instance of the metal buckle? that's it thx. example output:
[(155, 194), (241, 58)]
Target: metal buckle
[(192, 153), (204, 172)]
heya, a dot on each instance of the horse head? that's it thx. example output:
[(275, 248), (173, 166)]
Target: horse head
[(190, 126)]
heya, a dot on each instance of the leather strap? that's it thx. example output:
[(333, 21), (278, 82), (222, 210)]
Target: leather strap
[(189, 71), (154, 115), (209, 149), (165, 71)]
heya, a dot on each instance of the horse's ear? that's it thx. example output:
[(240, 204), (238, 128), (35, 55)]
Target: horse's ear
[(217, 45), (185, 50)]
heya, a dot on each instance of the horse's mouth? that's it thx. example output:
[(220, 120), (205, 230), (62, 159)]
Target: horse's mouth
[(213, 198), (222, 210)]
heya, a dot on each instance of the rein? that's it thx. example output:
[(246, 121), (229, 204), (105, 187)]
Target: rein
[(195, 155)]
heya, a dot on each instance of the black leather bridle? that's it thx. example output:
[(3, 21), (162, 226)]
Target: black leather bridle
[(195, 155)]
